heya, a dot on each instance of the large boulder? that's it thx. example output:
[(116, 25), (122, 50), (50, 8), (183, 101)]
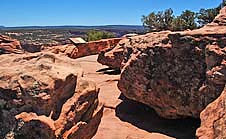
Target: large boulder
[(176, 73), (85, 49), (9, 45), (43, 96), (213, 119)]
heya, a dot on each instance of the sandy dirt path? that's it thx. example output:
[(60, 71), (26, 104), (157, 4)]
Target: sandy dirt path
[(126, 119)]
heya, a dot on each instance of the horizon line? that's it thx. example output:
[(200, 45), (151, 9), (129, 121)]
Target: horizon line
[(71, 25)]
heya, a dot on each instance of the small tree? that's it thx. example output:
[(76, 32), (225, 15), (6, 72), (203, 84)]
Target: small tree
[(150, 21), (178, 24), (188, 18), (158, 21), (206, 16), (168, 19)]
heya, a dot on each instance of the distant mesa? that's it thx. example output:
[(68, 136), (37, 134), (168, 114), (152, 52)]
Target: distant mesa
[(120, 27)]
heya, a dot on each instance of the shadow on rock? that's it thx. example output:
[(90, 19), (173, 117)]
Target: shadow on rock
[(110, 71), (147, 119)]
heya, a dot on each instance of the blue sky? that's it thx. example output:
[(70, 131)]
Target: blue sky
[(89, 12)]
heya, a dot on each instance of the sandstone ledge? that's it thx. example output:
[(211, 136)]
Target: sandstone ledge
[(85, 49)]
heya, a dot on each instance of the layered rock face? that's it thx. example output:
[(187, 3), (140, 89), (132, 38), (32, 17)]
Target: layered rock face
[(214, 120), (176, 73), (86, 49), (43, 96), (9, 45)]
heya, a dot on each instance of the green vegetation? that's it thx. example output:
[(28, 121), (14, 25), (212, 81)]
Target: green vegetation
[(206, 16), (185, 21), (94, 35), (159, 21), (165, 20)]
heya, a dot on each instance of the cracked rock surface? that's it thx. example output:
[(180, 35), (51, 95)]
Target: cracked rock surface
[(43, 96), (176, 73)]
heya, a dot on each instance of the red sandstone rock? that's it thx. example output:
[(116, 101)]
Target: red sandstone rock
[(220, 20), (9, 45), (43, 95), (176, 73), (32, 47), (33, 126), (112, 58), (69, 50), (95, 47), (213, 119), (86, 49)]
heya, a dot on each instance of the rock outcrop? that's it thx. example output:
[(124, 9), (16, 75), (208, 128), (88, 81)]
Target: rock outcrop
[(112, 57), (43, 96), (213, 119), (69, 50), (86, 49), (32, 47), (176, 73), (9, 45)]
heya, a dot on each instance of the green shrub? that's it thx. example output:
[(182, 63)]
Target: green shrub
[(94, 35)]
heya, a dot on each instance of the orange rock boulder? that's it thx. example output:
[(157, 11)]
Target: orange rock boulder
[(43, 95), (9, 45), (213, 119), (69, 50), (112, 57), (176, 73)]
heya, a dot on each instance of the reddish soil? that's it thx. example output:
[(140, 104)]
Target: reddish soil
[(126, 119)]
